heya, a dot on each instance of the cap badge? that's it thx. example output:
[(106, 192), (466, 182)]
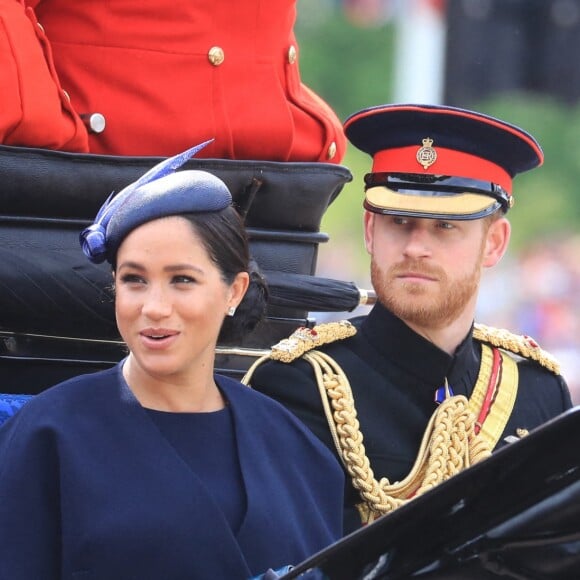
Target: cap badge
[(426, 155)]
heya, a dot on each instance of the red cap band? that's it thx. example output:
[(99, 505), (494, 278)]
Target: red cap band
[(448, 162)]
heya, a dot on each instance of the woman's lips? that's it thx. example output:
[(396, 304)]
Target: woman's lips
[(158, 339)]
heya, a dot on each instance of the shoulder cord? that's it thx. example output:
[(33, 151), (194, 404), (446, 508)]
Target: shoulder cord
[(453, 439), (449, 444), (522, 345)]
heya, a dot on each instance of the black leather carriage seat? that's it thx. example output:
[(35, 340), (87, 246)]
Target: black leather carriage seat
[(56, 310)]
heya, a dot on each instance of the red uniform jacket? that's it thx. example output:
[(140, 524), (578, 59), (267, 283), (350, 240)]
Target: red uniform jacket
[(167, 75)]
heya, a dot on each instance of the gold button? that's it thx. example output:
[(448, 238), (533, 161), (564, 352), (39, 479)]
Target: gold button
[(331, 150), (216, 55), (41, 28), (67, 96), (292, 54)]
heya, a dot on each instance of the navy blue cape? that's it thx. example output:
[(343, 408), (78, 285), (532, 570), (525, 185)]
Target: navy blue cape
[(89, 489)]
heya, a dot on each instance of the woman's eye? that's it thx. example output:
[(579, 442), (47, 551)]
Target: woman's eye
[(182, 279), (132, 279)]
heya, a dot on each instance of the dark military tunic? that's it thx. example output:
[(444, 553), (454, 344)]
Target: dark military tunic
[(394, 373)]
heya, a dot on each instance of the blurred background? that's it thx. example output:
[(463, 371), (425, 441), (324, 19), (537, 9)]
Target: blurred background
[(514, 59)]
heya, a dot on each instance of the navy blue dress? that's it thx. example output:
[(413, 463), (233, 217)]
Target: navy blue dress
[(92, 487)]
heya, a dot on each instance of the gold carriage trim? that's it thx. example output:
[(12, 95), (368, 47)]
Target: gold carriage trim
[(521, 345)]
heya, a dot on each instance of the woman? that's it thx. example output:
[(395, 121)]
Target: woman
[(157, 467)]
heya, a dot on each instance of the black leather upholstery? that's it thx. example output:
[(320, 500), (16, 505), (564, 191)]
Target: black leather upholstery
[(49, 289)]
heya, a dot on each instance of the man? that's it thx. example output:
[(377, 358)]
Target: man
[(415, 392)]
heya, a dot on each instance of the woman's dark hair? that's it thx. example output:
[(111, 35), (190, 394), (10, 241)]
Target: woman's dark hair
[(224, 237)]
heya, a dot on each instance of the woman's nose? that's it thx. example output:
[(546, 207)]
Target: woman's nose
[(157, 303)]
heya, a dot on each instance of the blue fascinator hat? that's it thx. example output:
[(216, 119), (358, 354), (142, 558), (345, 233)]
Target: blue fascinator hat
[(158, 193)]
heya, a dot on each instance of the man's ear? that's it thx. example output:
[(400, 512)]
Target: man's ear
[(369, 224), (496, 242)]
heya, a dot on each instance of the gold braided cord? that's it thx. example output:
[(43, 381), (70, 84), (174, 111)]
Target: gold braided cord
[(522, 345), (322, 370), (449, 443), (301, 341), (305, 339)]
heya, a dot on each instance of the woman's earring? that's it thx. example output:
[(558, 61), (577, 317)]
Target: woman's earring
[(231, 310)]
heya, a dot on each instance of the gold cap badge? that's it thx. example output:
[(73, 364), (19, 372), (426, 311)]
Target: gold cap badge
[(426, 155)]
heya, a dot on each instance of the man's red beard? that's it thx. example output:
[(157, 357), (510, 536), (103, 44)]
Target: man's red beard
[(429, 305)]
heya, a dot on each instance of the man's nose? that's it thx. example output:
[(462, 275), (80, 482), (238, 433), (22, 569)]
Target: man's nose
[(418, 242)]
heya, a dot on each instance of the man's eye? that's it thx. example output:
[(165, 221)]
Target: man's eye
[(446, 225), (401, 221)]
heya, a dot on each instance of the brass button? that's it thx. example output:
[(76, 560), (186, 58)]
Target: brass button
[(292, 54), (331, 150), (41, 28), (67, 96), (216, 55)]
